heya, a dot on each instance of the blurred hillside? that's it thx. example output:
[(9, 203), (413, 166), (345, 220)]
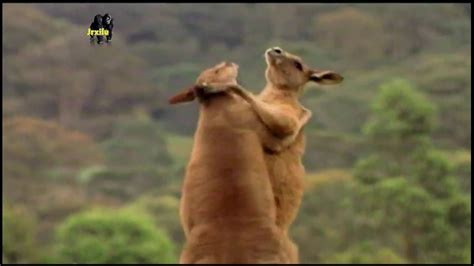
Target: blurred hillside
[(88, 127)]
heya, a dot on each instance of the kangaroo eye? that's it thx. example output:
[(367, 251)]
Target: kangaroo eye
[(299, 66)]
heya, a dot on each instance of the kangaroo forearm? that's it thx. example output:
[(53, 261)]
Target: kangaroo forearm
[(278, 121), (244, 93), (301, 123), (275, 120)]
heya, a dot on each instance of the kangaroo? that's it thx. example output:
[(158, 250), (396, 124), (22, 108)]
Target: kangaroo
[(227, 206), (286, 76), (279, 109)]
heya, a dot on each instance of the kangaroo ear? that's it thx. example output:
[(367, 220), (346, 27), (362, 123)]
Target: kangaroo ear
[(184, 96), (326, 77)]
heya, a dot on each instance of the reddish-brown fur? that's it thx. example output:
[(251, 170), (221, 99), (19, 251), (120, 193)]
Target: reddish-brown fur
[(286, 76), (227, 206), (185, 96), (278, 108), (280, 113)]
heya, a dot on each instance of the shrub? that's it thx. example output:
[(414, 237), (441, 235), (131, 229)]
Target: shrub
[(104, 236)]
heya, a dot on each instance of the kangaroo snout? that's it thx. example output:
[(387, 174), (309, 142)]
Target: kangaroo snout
[(273, 54), (229, 64), (274, 51)]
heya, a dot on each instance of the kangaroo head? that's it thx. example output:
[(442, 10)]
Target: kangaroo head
[(224, 73), (288, 72)]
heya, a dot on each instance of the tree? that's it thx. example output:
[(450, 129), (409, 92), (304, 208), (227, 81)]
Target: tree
[(446, 80), (78, 86), (326, 150), (26, 26), (327, 221), (334, 29), (366, 253), (409, 182), (136, 152), (405, 40), (112, 236), (164, 208), (462, 168), (19, 243), (42, 160), (38, 151), (402, 117)]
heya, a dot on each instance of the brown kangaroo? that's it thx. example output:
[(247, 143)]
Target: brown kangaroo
[(286, 75), (279, 109), (227, 205)]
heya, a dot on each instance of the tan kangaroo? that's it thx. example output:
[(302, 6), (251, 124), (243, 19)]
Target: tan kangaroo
[(227, 206), (286, 75), (279, 109)]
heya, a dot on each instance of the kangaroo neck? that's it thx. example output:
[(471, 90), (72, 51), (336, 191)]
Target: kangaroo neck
[(271, 93)]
